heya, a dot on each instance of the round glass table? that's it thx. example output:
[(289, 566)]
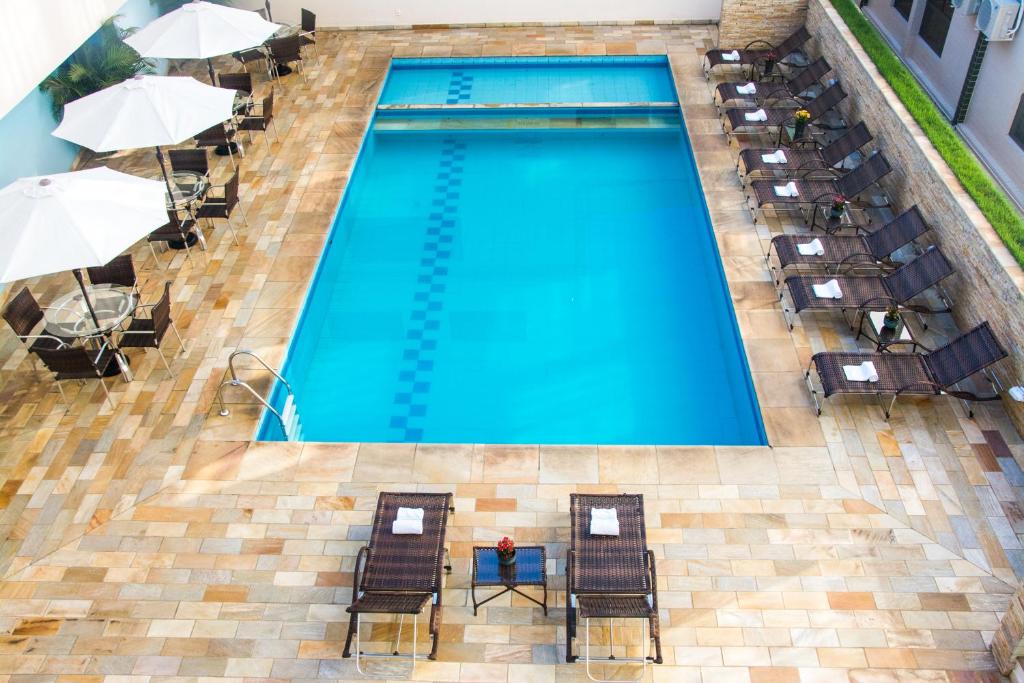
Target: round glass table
[(69, 316), (186, 188)]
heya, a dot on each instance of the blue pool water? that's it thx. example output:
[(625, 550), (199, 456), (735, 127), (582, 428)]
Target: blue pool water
[(529, 80), (553, 282)]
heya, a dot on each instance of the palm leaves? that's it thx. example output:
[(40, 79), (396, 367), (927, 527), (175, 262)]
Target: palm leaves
[(103, 60)]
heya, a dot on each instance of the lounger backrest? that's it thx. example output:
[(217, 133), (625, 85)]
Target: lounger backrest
[(809, 76), (407, 562), (609, 564), (926, 271), (792, 43), (969, 353), (828, 99), (902, 230), (873, 169), (850, 141)]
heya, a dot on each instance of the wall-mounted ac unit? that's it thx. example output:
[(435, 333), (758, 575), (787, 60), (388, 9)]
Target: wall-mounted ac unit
[(971, 6), (997, 18)]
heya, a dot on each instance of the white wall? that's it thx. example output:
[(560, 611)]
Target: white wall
[(347, 13)]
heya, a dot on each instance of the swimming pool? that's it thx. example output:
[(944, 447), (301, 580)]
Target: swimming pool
[(522, 276)]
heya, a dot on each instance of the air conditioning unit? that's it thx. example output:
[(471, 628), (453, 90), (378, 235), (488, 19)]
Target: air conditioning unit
[(970, 5), (997, 18)]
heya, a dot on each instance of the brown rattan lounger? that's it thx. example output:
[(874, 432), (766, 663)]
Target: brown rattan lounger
[(610, 577), (874, 292), (873, 249), (802, 160), (811, 192), (766, 91), (755, 51), (776, 117), (901, 374), (401, 573)]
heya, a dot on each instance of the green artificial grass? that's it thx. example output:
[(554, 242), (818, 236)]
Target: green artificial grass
[(990, 198)]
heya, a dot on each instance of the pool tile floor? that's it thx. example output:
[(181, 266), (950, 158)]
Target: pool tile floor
[(155, 541)]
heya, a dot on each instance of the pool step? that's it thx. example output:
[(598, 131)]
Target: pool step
[(292, 426)]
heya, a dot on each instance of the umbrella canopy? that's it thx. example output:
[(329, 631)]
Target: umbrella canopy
[(200, 30), (67, 221), (144, 111)]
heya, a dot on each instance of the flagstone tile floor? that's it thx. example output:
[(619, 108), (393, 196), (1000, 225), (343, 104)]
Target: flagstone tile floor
[(155, 541)]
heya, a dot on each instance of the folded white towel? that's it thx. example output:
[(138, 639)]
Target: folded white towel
[(604, 522), (787, 190), (408, 521), (865, 372), (829, 290), (812, 248), (748, 89), (1016, 393), (733, 56), (776, 157), (758, 115)]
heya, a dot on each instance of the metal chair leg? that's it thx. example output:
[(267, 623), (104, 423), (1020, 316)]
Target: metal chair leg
[(161, 353), (181, 343)]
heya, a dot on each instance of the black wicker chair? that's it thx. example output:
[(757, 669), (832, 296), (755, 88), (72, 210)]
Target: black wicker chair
[(120, 271), (23, 313), (262, 119), (149, 332), (223, 205), (778, 117), (286, 51), (767, 91), (756, 51), (78, 362), (220, 135), (800, 161), (177, 231), (307, 35), (905, 374)]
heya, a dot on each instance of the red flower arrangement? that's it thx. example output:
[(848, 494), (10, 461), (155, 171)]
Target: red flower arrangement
[(506, 549), (838, 202)]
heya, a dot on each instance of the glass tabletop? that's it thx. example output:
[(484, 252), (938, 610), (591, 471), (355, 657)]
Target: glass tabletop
[(186, 186), (69, 315), (528, 568)]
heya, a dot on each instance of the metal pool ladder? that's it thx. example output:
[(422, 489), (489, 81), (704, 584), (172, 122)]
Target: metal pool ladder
[(288, 417)]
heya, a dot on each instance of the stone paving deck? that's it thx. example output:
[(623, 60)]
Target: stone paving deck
[(155, 541)]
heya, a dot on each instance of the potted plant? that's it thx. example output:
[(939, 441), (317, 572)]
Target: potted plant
[(838, 206), (769, 63), (801, 118), (102, 61), (892, 318), (506, 551)]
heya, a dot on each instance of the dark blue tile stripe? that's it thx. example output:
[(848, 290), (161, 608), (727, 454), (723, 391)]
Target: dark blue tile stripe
[(409, 406), (460, 87)]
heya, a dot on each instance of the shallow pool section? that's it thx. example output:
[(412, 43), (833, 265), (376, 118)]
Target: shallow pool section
[(528, 80), (551, 280)]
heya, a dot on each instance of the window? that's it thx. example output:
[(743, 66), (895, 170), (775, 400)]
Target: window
[(1017, 127), (935, 24), (903, 7)]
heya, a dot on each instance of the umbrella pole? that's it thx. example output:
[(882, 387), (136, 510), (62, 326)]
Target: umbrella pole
[(163, 169), (209, 66), (85, 294), (270, 17)]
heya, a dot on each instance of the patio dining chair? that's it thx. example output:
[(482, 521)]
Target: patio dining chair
[(241, 82), (286, 50), (779, 117), (872, 249), (120, 271), (261, 118), (811, 192), (401, 573), (175, 230), (767, 91), (254, 55), (23, 313), (755, 51), (79, 362), (147, 332), (873, 292), (610, 577), (223, 204), (219, 135), (905, 374), (819, 158), (194, 160), (308, 32)]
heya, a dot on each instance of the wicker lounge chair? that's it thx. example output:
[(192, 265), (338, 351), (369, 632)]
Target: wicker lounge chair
[(799, 161), (401, 574), (904, 374), (811, 192), (872, 249), (767, 91), (755, 51), (777, 117), (610, 577), (874, 292)]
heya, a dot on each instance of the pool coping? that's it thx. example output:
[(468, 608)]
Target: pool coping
[(529, 105)]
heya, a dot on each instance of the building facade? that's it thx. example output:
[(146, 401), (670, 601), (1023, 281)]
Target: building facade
[(978, 84)]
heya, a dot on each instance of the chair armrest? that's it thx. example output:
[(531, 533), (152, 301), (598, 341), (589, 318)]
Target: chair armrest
[(363, 554), (654, 579)]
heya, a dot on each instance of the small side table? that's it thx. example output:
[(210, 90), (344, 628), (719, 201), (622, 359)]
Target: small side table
[(883, 336), (528, 570), (822, 218)]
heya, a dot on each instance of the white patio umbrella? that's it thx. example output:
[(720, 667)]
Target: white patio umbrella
[(145, 111), (70, 221), (202, 30)]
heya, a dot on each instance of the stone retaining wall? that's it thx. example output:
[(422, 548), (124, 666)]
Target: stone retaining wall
[(743, 21), (989, 281)]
